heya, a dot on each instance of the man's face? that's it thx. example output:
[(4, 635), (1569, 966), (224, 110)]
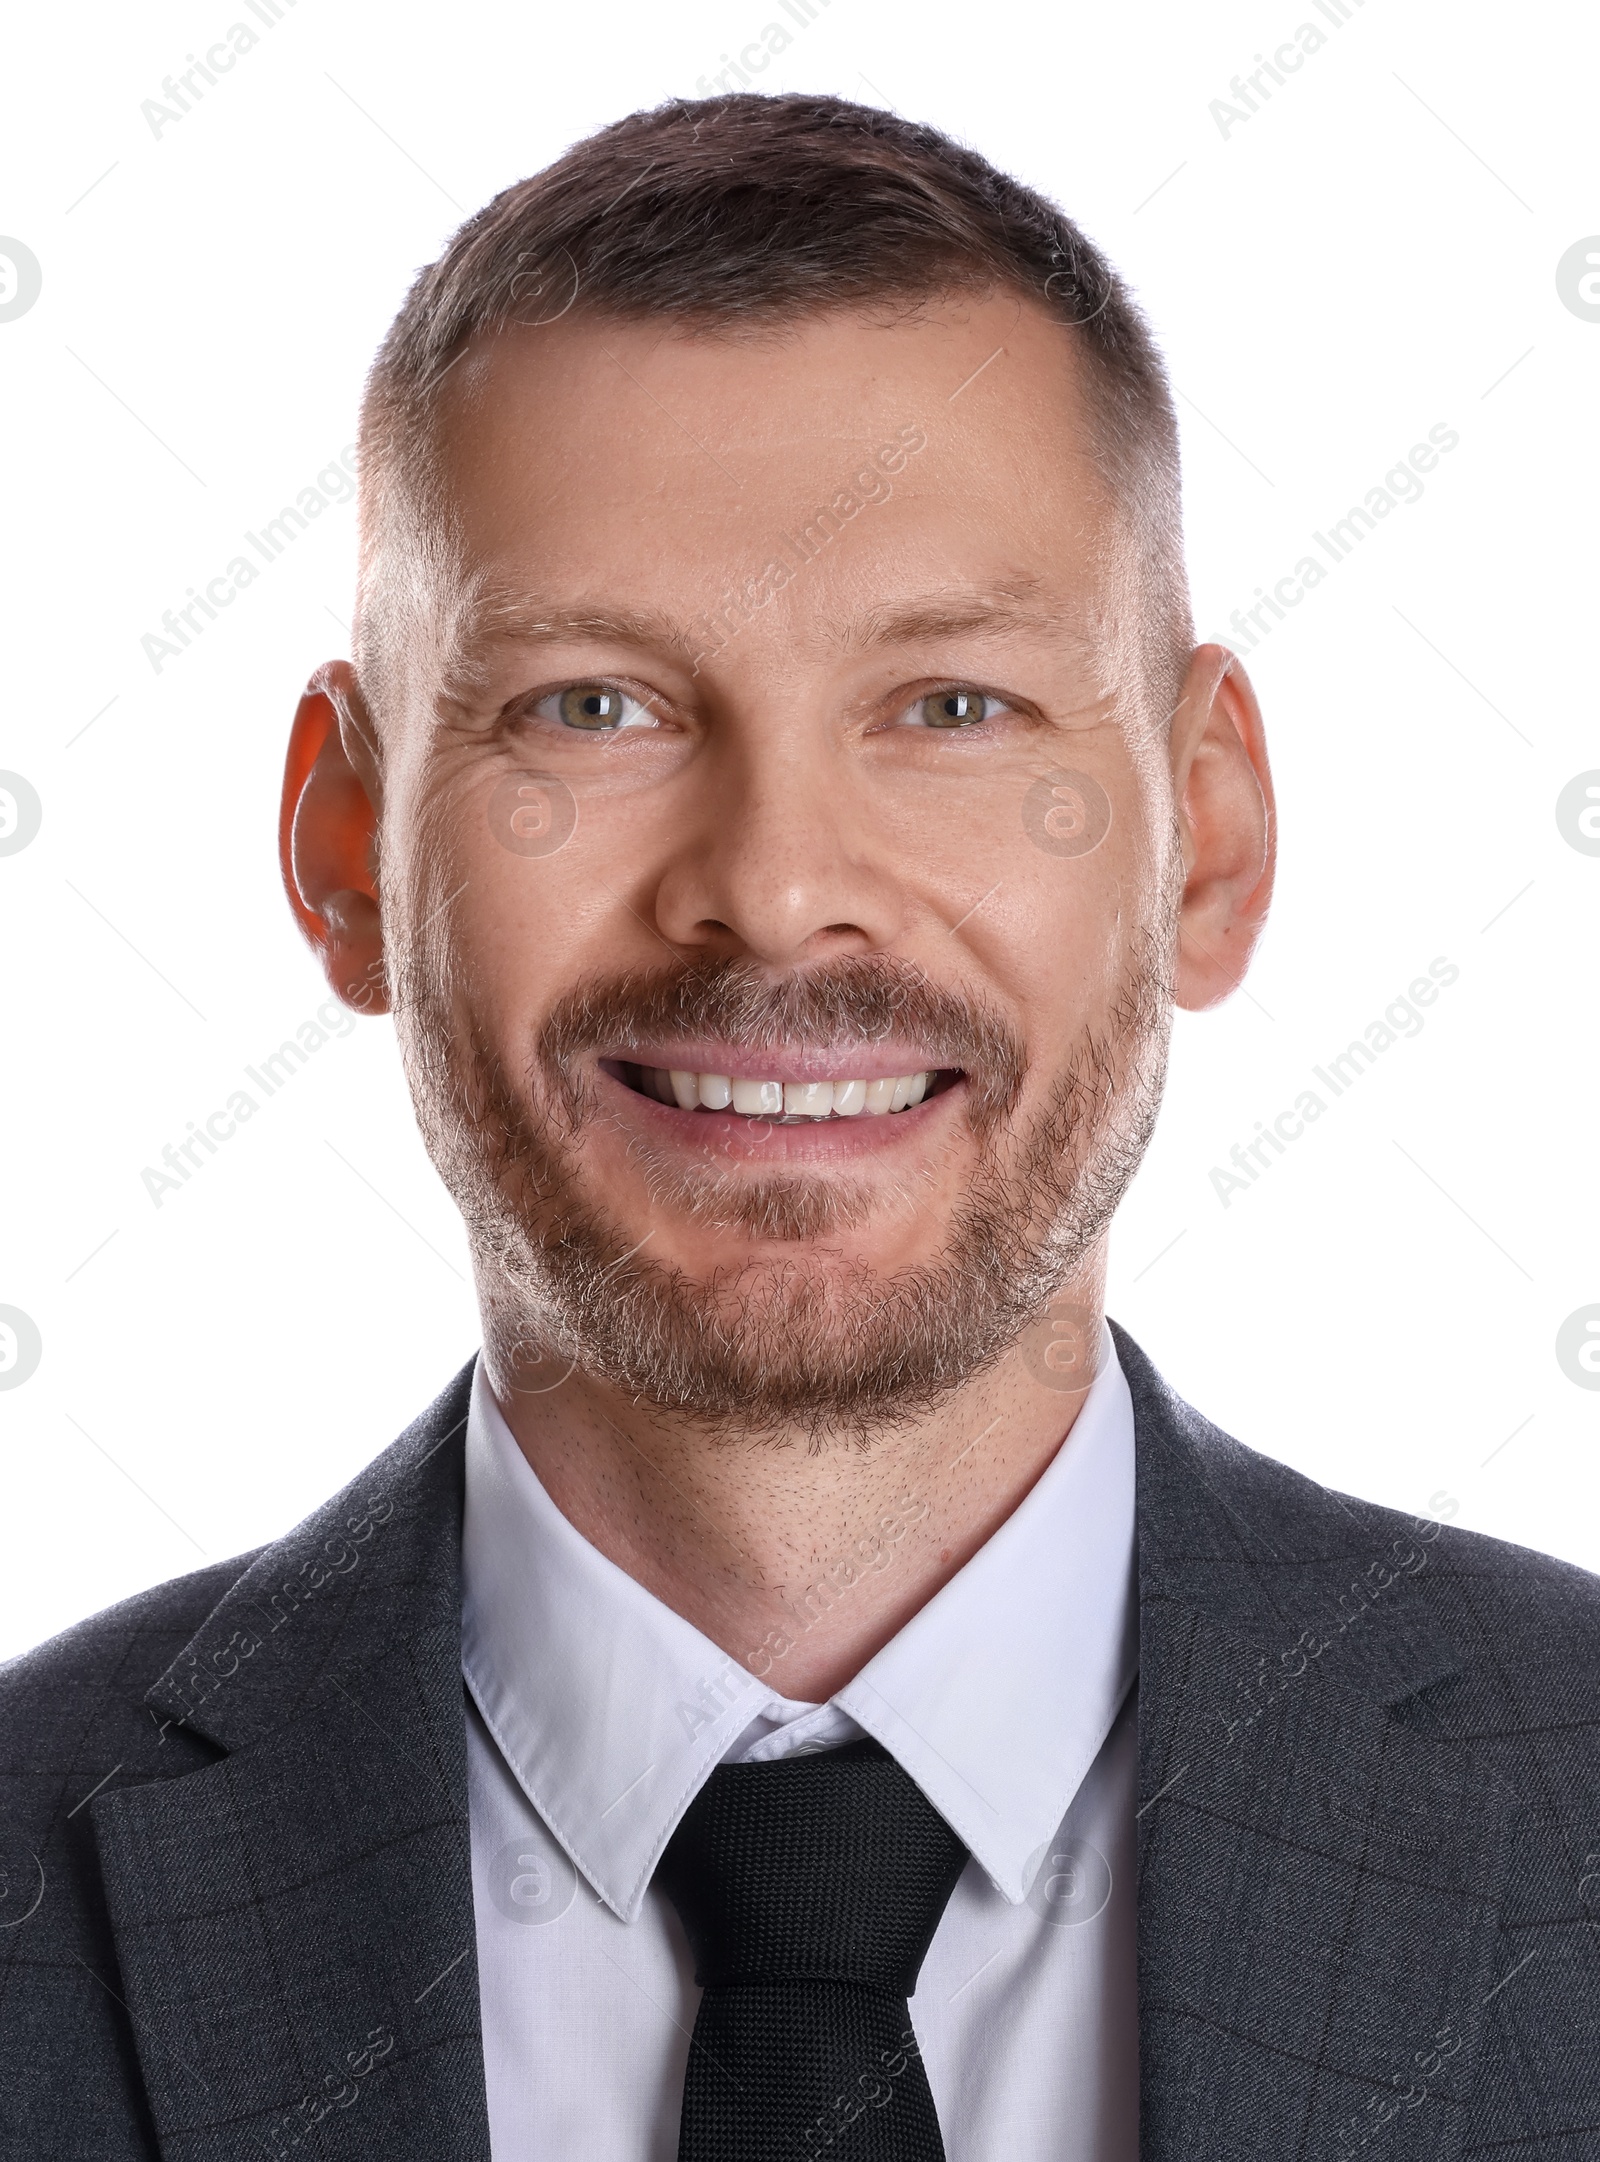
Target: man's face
[(787, 756)]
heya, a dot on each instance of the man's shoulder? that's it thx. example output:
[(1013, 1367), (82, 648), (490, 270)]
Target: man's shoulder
[(1477, 1635), (171, 1683), (122, 1648), (1286, 1520), (1494, 1590), (90, 1675), (177, 1604)]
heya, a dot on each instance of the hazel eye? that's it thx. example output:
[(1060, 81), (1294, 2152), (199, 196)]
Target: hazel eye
[(957, 708), (598, 709)]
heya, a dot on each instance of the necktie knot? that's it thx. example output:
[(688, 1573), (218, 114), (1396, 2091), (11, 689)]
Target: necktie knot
[(830, 1867), (809, 1890)]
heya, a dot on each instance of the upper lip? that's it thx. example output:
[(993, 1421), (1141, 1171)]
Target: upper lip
[(782, 1062)]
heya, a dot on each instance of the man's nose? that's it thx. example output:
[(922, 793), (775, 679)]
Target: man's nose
[(781, 860)]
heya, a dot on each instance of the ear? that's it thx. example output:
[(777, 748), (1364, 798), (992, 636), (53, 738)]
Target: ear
[(327, 835), (1227, 818)]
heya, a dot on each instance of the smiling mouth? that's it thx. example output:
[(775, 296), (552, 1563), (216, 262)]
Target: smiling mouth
[(782, 1103)]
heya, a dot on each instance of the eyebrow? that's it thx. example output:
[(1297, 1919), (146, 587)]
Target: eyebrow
[(514, 620), (1015, 605)]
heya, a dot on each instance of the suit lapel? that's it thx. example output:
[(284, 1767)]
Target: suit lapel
[(294, 1922), (1319, 1882)]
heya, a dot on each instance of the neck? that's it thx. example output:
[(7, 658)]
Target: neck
[(800, 1561)]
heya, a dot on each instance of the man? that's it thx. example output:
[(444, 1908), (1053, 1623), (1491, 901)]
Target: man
[(807, 1688)]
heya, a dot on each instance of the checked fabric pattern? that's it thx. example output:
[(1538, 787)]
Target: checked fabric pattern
[(809, 1890)]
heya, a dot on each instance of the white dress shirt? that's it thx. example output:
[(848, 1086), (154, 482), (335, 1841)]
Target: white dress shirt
[(598, 1714)]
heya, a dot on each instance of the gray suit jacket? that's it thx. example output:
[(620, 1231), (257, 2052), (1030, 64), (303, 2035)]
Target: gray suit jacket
[(235, 1899)]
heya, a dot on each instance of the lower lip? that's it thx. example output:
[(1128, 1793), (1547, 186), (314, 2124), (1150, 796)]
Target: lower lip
[(733, 1134)]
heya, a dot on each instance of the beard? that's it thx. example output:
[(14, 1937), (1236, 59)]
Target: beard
[(811, 1340)]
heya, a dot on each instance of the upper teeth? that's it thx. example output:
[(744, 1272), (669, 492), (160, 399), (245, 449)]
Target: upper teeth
[(783, 1099)]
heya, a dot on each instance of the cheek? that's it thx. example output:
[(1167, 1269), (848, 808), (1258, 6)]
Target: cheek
[(498, 873), (1061, 933), (1045, 859), (1053, 939), (524, 932)]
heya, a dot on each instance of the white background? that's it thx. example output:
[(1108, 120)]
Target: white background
[(1371, 253)]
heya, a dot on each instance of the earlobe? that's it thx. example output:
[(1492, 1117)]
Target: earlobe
[(326, 838), (1222, 786)]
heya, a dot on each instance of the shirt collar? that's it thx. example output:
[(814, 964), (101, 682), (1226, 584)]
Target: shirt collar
[(612, 1710)]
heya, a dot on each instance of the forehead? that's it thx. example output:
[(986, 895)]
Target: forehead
[(637, 463)]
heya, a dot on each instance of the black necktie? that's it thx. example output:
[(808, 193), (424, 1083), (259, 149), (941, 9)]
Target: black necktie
[(809, 1890)]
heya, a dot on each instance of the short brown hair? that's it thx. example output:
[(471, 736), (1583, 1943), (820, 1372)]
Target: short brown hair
[(744, 211)]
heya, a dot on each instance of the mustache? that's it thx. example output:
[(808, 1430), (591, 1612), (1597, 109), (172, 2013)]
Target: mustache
[(858, 1000)]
